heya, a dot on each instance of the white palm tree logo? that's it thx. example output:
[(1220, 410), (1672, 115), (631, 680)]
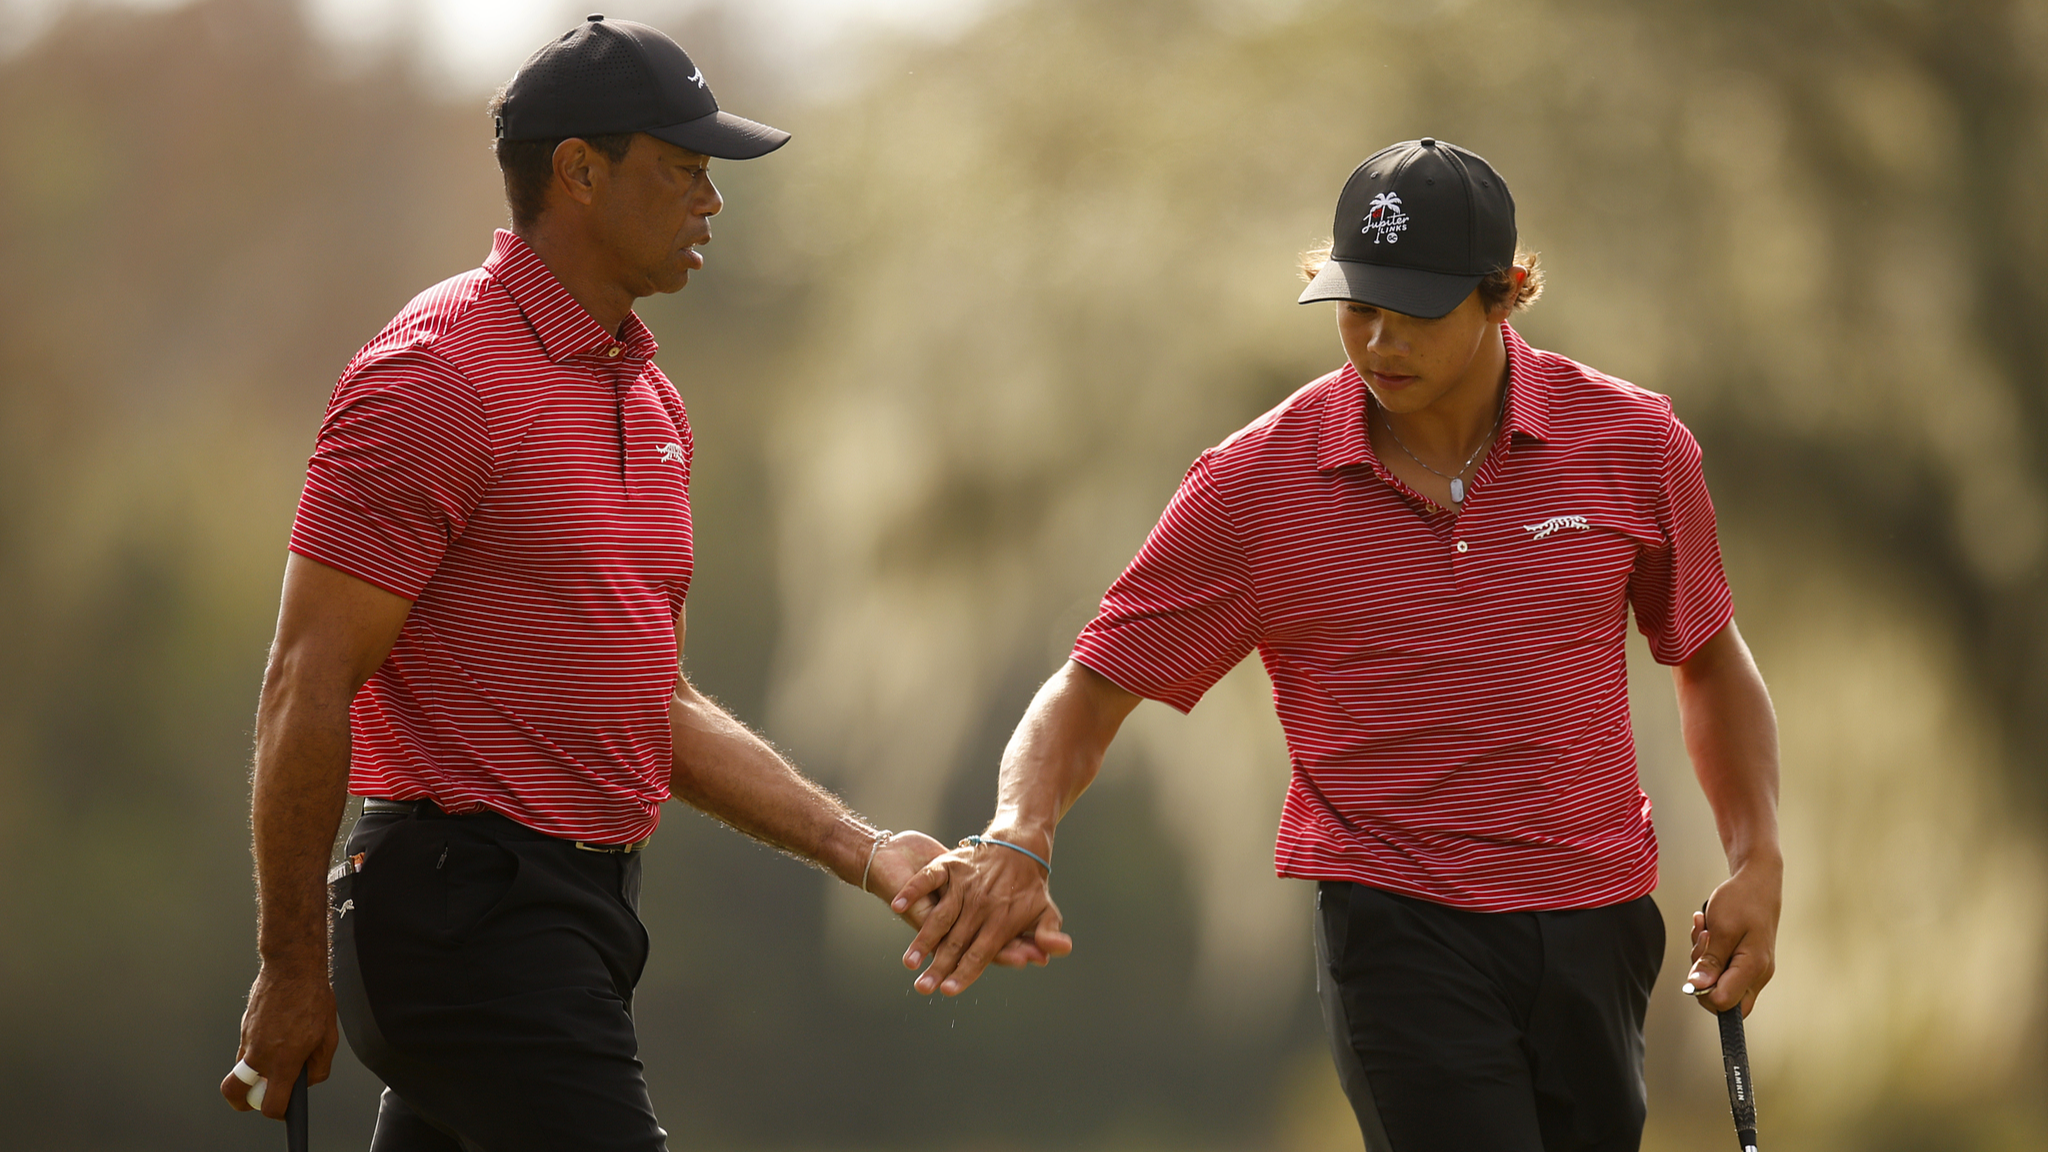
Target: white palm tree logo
[(1384, 204)]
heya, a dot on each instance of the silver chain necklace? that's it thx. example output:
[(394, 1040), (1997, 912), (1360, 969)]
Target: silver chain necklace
[(1457, 484)]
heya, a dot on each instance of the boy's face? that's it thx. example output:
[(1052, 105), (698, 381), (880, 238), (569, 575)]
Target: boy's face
[(1410, 363)]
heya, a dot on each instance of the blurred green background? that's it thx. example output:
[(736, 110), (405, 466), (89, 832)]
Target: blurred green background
[(953, 349)]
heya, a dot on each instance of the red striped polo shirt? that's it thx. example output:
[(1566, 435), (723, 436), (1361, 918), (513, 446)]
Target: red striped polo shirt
[(1454, 689), (522, 476)]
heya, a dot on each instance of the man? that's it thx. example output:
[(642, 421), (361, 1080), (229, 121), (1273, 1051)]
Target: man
[(482, 619), (1434, 549)]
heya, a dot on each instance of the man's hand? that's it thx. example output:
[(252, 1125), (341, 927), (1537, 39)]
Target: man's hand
[(289, 1023), (994, 907), (895, 862), (1735, 941)]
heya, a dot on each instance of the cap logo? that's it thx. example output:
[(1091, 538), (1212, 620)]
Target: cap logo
[(1385, 221), (697, 77)]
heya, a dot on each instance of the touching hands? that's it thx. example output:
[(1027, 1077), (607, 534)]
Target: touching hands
[(1735, 941), (895, 861), (992, 907)]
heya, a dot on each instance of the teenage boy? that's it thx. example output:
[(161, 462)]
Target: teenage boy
[(1435, 550)]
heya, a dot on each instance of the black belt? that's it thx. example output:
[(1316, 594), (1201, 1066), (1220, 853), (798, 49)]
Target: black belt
[(432, 811)]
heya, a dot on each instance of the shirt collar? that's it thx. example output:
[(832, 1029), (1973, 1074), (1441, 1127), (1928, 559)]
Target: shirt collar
[(1528, 390), (1341, 441), (1341, 438), (564, 328)]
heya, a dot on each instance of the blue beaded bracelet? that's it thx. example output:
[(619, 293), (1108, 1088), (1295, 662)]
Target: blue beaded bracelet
[(978, 841)]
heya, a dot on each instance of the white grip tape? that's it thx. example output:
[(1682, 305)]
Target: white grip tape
[(254, 1080)]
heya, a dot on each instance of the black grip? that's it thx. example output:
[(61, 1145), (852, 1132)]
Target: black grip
[(1735, 1062), (295, 1115)]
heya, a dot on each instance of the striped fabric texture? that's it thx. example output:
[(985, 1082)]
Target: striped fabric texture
[(521, 475), (1454, 689)]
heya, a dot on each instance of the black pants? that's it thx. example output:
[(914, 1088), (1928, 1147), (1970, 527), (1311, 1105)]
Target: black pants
[(1504, 1031), (485, 973)]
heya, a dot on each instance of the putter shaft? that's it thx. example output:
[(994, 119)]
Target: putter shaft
[(295, 1116)]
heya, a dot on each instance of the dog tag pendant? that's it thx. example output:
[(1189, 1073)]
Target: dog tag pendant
[(1457, 491)]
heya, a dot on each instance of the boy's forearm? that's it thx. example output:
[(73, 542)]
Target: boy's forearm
[(1731, 735), (1056, 752)]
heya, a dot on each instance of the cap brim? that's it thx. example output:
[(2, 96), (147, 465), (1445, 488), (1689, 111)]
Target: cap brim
[(724, 136), (1409, 291)]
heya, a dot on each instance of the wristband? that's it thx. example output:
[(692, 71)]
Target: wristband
[(881, 838), (978, 841)]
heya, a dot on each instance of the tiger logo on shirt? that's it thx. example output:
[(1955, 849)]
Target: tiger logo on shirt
[(1555, 525)]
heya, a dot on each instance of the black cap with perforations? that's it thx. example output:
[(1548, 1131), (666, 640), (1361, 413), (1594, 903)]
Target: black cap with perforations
[(613, 76)]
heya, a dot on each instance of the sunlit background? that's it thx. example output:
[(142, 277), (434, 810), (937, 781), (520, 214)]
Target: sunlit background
[(952, 351)]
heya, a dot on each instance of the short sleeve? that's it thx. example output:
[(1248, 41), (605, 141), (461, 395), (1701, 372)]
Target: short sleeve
[(402, 460), (1182, 614), (1679, 591)]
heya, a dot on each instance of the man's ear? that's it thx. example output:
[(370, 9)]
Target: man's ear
[(579, 169)]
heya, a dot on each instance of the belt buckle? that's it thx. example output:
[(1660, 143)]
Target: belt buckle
[(614, 849)]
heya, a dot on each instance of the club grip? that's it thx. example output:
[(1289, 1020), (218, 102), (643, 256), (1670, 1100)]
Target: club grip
[(295, 1116), (1735, 1062)]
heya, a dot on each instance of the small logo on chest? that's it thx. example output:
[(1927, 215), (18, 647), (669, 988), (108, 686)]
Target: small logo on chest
[(672, 453), (1555, 524)]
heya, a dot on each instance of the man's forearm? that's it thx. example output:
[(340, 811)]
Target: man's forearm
[(300, 788), (1056, 751), (723, 768), (1731, 734), (333, 631)]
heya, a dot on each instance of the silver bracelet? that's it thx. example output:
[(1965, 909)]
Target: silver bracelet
[(882, 837)]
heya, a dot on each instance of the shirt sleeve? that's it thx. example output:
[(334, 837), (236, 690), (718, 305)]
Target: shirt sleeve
[(1182, 614), (1679, 591), (402, 460)]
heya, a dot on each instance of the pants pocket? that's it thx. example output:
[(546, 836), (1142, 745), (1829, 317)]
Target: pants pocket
[(1649, 943), (475, 875), (1333, 929)]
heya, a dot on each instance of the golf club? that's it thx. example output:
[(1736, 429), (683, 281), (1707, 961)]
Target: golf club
[(1735, 1062), (295, 1114), (1735, 1065)]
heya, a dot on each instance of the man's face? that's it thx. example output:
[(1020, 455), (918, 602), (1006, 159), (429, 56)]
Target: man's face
[(1410, 363), (654, 209)]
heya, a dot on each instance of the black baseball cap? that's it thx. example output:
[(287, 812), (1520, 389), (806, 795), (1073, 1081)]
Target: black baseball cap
[(614, 76), (1419, 225)]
